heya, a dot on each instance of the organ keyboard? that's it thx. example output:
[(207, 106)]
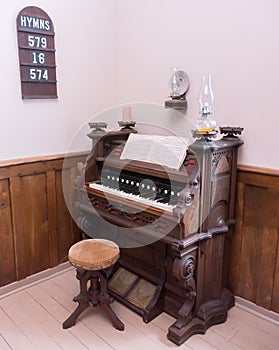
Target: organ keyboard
[(159, 203), (173, 227)]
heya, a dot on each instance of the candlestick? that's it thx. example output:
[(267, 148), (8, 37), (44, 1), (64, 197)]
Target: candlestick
[(126, 113)]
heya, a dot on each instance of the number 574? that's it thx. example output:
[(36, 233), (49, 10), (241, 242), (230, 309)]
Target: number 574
[(38, 74)]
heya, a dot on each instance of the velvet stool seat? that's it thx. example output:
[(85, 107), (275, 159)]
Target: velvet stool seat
[(91, 258)]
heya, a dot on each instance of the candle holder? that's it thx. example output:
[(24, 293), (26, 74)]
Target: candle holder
[(98, 129), (126, 125), (205, 135), (230, 132)]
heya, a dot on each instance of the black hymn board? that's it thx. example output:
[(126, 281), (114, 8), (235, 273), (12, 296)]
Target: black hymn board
[(36, 54)]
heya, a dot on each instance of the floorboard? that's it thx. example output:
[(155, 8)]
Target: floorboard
[(31, 318)]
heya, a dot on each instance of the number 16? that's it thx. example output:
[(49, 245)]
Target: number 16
[(38, 57)]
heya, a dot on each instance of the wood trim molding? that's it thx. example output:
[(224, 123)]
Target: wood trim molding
[(257, 176), (258, 170), (259, 311), (43, 158), (17, 161), (34, 279)]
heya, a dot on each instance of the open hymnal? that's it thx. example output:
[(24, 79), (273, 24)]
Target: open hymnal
[(167, 151)]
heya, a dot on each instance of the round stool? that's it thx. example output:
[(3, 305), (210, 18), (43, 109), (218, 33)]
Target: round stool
[(91, 257)]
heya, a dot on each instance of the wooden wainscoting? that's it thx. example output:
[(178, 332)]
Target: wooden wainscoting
[(36, 229), (254, 273)]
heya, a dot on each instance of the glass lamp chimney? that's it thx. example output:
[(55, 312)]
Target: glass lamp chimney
[(174, 83), (205, 123), (206, 96)]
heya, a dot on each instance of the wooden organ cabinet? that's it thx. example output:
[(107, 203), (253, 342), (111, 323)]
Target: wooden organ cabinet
[(175, 245)]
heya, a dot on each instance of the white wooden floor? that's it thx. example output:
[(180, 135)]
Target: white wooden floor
[(31, 318)]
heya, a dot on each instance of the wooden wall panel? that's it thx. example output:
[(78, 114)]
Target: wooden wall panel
[(7, 255), (237, 238), (269, 249), (30, 219), (66, 230), (52, 218), (36, 229), (275, 291), (254, 271), (251, 242)]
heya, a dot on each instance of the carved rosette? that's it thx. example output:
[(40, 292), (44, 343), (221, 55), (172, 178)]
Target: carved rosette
[(184, 268)]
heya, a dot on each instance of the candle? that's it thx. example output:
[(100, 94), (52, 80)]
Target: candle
[(126, 114)]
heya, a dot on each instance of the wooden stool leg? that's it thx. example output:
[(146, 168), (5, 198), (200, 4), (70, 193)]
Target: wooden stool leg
[(82, 298), (105, 301)]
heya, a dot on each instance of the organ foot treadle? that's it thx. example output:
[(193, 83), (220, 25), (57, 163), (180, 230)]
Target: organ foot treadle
[(136, 292)]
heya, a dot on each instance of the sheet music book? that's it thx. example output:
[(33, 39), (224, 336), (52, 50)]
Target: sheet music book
[(167, 151)]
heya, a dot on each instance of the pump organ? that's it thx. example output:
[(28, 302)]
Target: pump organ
[(174, 228)]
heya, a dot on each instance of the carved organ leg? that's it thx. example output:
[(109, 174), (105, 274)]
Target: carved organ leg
[(183, 270)]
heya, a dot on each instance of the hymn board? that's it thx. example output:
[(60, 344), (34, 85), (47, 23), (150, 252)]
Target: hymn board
[(36, 54)]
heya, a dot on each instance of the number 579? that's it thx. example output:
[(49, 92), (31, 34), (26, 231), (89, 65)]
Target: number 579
[(37, 41)]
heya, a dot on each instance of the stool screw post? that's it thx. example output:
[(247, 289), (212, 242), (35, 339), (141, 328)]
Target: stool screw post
[(94, 289)]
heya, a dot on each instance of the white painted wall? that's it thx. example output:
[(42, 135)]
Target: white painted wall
[(85, 58), (237, 41), (112, 52)]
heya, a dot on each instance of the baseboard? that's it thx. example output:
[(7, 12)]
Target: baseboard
[(259, 311), (34, 279)]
